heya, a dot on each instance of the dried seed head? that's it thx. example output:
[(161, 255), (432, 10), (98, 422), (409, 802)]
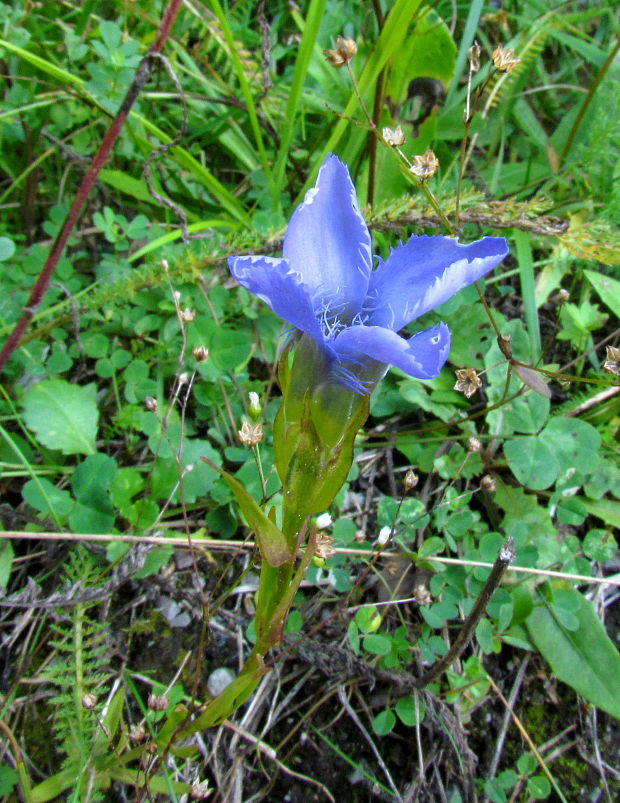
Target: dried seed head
[(200, 790), (151, 404), (422, 595), (411, 480), (395, 137), (200, 353), (504, 59), (425, 166), (344, 52), (474, 57), (561, 296), (89, 700), (612, 363), (251, 434), (467, 381), (158, 702), (474, 445), (324, 546), (187, 315), (137, 733), (487, 483)]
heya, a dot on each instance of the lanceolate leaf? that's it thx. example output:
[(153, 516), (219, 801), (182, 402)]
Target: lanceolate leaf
[(271, 540), (584, 658)]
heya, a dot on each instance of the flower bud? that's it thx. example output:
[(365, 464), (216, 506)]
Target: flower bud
[(504, 59), (255, 410), (425, 166), (474, 57), (411, 480), (151, 404)]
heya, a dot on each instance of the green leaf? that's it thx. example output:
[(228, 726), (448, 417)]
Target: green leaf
[(384, 722), (585, 658), (538, 787), (6, 561), (368, 619), (353, 635), (406, 710), (377, 645), (7, 248), (91, 480), (271, 540), (576, 443), (607, 288), (64, 416), (600, 545), (532, 461), (49, 500)]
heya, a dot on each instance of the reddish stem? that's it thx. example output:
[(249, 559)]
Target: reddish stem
[(38, 291)]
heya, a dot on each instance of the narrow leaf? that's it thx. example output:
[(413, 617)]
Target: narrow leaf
[(271, 540)]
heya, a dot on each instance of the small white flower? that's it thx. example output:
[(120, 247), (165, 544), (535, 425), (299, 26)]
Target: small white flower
[(323, 521)]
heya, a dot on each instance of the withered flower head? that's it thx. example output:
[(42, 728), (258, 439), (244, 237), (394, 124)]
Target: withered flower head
[(344, 52), (137, 733), (422, 595), (200, 790), (200, 353), (487, 483), (504, 59), (411, 480), (89, 700), (612, 363), (467, 381), (395, 137), (474, 57), (251, 434), (425, 166), (187, 315), (324, 546), (158, 702), (474, 445)]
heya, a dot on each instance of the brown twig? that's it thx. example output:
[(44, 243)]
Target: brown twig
[(506, 556), (143, 73)]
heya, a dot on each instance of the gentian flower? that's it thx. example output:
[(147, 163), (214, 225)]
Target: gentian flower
[(325, 286)]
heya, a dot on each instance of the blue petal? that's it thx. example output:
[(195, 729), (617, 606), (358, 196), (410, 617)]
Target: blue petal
[(422, 356), (425, 272), (273, 281), (328, 243)]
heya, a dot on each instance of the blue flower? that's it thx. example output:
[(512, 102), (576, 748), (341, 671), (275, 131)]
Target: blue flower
[(325, 286)]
